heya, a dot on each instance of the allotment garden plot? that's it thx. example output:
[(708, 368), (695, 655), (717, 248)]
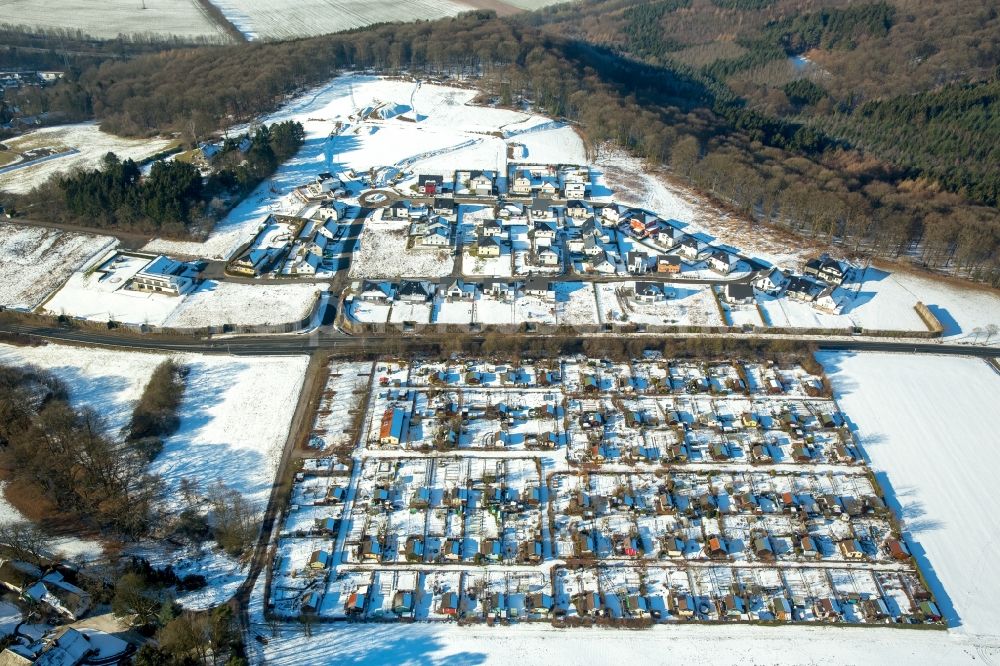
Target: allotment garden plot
[(579, 491)]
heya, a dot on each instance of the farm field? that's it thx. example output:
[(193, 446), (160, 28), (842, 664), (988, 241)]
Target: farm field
[(286, 19), (524, 643), (36, 261), (84, 144), (214, 303), (922, 421), (107, 19)]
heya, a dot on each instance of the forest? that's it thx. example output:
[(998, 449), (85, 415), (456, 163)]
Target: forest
[(782, 153), (60, 462), (173, 199)]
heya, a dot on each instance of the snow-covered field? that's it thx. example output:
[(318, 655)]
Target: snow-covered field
[(234, 416), (927, 425), (430, 643), (107, 19), (287, 19), (89, 142), (960, 308), (90, 296), (37, 261), (448, 134), (383, 254), (215, 303), (688, 305)]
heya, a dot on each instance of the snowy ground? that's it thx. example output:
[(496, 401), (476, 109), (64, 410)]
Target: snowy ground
[(107, 19), (235, 417), (635, 185), (383, 254), (287, 19), (94, 297), (688, 305), (37, 261), (89, 142), (449, 134), (926, 424), (215, 303), (960, 308), (418, 644), (99, 296)]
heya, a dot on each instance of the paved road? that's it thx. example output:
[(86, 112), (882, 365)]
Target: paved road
[(330, 339)]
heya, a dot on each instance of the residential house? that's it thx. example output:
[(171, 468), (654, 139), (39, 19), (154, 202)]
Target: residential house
[(803, 289), (721, 261), (415, 291), (574, 181), (512, 212), (539, 287), (492, 228), (460, 291), (487, 246), (444, 206), (738, 293), (648, 292), (600, 264), (503, 290), (638, 262), (578, 209), (163, 275), (831, 271), (614, 213), (547, 257), (376, 292), (257, 262), (535, 180), (690, 247), (543, 233), (475, 183), (826, 301), (592, 247), (333, 211), (667, 236), (429, 184), (670, 264), (771, 282)]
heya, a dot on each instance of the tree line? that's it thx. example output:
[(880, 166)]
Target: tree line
[(173, 199), (60, 459)]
